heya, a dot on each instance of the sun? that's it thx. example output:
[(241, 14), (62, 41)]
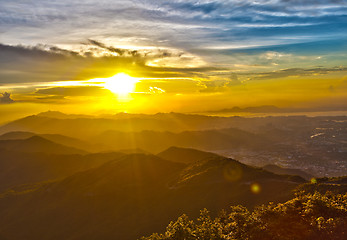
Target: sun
[(121, 84)]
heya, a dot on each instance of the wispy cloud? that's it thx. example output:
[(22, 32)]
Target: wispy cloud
[(180, 24)]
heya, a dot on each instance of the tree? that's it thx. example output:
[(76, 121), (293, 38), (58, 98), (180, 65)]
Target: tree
[(307, 216)]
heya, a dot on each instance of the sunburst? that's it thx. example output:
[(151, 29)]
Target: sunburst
[(121, 84)]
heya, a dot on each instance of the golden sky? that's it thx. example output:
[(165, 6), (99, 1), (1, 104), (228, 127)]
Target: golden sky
[(156, 56)]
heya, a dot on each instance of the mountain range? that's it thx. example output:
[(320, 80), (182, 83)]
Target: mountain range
[(125, 176), (131, 195)]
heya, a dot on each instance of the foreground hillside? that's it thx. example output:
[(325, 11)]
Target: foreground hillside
[(126, 196), (305, 217), (135, 195)]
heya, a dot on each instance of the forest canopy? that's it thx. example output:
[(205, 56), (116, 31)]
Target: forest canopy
[(307, 216)]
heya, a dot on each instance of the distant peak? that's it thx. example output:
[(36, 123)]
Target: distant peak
[(51, 114), (256, 109), (37, 138), (61, 115), (185, 155)]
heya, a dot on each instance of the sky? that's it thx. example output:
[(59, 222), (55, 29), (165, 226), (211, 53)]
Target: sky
[(183, 56)]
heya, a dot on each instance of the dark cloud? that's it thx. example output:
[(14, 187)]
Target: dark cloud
[(213, 86), (53, 98), (158, 53), (119, 51), (56, 92), (194, 6), (44, 63), (234, 80), (6, 98), (221, 85)]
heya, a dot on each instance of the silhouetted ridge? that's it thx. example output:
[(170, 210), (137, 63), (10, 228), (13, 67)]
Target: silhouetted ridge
[(133, 151), (60, 115), (38, 144), (185, 155), (259, 109), (333, 180), (56, 138), (135, 195), (17, 168), (16, 135), (217, 169), (131, 170), (157, 141), (141, 168), (287, 171)]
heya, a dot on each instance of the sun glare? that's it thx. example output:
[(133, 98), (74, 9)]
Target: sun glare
[(121, 84)]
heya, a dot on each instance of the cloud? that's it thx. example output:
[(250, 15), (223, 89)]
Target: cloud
[(168, 86), (156, 90), (6, 98), (221, 44), (213, 86), (118, 51), (46, 63), (178, 24), (297, 72), (73, 91), (271, 55), (41, 66), (223, 83)]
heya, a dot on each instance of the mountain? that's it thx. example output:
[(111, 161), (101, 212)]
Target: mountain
[(83, 127), (57, 138), (18, 168), (337, 185), (38, 144), (274, 109), (287, 171), (291, 141), (109, 202), (60, 115), (184, 155), (133, 150), (260, 109), (217, 181), (301, 218), (16, 135), (72, 142), (333, 180), (156, 141), (86, 127), (135, 195)]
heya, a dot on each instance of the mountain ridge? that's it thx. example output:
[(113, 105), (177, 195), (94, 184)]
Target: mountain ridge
[(38, 144), (138, 193)]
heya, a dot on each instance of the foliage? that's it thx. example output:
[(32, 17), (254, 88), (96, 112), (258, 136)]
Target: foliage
[(307, 216)]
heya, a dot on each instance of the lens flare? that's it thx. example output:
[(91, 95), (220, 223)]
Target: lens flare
[(255, 188)]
